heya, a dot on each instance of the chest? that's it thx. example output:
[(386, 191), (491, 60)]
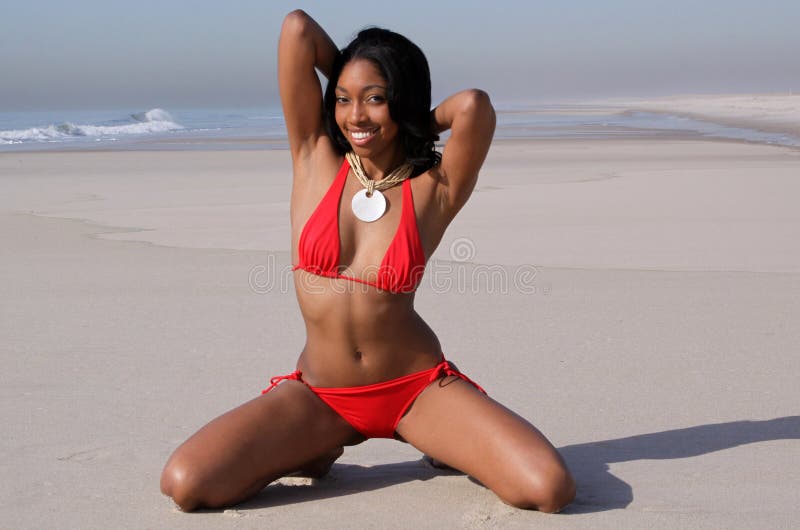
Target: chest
[(323, 212)]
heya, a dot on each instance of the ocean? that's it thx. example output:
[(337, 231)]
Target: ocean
[(264, 128)]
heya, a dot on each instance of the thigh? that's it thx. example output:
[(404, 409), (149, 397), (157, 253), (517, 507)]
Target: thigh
[(234, 456), (456, 424)]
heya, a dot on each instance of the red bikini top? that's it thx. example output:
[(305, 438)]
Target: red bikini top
[(318, 251)]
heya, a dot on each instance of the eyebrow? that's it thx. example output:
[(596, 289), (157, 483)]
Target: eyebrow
[(366, 88)]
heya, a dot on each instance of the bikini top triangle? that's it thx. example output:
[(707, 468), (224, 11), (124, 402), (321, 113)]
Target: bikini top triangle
[(318, 250)]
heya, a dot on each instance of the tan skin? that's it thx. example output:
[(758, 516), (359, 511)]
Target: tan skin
[(357, 335)]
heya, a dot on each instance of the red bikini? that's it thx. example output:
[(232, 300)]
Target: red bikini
[(318, 251), (373, 410)]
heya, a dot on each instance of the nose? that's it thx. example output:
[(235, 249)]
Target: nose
[(357, 112)]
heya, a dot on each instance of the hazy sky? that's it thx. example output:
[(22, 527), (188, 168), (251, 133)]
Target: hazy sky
[(90, 54)]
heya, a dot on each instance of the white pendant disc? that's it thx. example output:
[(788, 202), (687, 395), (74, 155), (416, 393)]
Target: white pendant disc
[(368, 209)]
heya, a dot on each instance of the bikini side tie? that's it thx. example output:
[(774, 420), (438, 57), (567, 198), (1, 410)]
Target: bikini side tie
[(275, 381), (444, 368)]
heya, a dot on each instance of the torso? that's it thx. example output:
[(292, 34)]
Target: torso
[(357, 334)]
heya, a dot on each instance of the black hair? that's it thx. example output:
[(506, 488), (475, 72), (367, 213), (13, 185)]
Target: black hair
[(406, 71)]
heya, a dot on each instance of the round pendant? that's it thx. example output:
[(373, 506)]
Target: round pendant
[(368, 209)]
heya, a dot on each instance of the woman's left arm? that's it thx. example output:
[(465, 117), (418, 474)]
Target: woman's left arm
[(471, 119)]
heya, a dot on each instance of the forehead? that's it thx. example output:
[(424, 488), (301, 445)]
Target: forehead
[(359, 74)]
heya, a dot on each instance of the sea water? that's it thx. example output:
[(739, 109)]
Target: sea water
[(155, 128), (264, 127)]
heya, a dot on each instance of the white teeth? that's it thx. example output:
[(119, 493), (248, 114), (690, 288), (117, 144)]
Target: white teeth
[(361, 135)]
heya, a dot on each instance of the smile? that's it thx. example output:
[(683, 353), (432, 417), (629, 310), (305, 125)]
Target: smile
[(362, 135)]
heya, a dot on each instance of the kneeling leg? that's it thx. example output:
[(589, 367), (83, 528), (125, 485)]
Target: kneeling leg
[(236, 455), (457, 425)]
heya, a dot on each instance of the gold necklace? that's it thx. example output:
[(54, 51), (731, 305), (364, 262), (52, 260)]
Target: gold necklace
[(369, 204)]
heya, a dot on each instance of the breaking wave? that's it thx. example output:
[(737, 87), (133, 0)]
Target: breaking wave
[(140, 123)]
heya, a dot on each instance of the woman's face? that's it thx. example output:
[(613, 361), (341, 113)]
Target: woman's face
[(362, 110)]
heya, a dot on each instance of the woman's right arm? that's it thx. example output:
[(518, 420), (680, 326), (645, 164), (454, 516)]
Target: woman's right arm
[(303, 46)]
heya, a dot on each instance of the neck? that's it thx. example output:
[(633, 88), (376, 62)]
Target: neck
[(379, 166)]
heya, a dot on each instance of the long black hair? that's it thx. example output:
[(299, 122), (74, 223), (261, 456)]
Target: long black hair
[(406, 71)]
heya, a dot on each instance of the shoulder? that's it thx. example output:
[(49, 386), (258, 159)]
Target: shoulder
[(430, 204), (312, 176), (318, 161)]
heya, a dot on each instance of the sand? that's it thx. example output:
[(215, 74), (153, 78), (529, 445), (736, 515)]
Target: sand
[(642, 311), (778, 113)]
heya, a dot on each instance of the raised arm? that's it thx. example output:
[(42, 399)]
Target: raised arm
[(303, 46), (471, 119)]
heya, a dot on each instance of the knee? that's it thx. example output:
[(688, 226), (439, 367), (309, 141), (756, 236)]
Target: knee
[(548, 492), (180, 482)]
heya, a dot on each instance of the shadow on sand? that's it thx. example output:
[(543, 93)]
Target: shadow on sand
[(598, 489), (345, 479)]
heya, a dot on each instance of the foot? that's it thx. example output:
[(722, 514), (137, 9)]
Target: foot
[(319, 467)]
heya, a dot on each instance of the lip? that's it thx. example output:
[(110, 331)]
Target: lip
[(361, 139)]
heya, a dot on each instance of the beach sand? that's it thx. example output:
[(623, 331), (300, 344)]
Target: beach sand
[(637, 300), (778, 113)]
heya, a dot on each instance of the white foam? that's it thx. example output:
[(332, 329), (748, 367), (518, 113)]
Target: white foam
[(149, 122), (153, 115)]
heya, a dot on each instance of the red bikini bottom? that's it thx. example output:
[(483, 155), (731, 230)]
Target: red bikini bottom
[(375, 410)]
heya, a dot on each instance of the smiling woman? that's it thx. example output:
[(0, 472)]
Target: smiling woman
[(371, 366), (394, 76), (362, 115)]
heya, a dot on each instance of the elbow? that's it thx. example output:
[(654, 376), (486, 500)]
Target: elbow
[(477, 100), (478, 97), (295, 23), (477, 104), (297, 15)]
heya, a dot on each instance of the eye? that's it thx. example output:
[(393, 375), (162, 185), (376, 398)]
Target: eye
[(341, 100), (376, 98)]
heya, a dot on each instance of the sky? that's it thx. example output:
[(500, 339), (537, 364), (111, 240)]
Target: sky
[(99, 54)]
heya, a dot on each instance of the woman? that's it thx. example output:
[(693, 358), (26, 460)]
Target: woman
[(371, 367)]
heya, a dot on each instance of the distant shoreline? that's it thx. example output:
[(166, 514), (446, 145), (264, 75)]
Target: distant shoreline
[(752, 118)]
